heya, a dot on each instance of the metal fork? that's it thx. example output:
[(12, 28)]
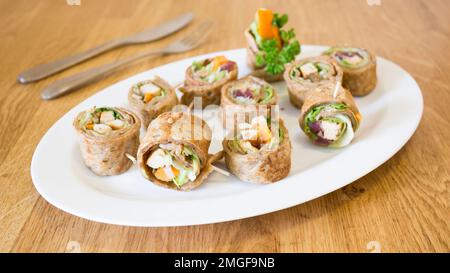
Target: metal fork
[(66, 85)]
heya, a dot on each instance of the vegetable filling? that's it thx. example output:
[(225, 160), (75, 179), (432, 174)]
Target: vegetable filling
[(312, 71), (329, 125), (349, 57), (175, 163), (252, 93), (255, 136), (212, 70), (104, 121), (147, 91)]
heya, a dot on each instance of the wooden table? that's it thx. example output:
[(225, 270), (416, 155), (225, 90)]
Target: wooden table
[(403, 206)]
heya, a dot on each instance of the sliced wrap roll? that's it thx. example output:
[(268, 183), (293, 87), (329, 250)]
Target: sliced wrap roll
[(246, 97), (174, 151), (330, 121), (107, 136), (303, 76), (260, 152), (359, 66), (150, 98), (205, 79)]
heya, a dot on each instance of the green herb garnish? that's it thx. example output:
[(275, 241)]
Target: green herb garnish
[(273, 55), (273, 58), (280, 21)]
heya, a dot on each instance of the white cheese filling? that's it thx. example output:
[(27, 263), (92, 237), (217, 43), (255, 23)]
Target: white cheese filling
[(348, 135)]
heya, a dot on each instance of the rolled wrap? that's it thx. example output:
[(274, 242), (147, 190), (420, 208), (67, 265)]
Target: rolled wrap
[(263, 167), (150, 110), (324, 97), (252, 50), (298, 85), (178, 128), (359, 78), (107, 155), (209, 92), (231, 107)]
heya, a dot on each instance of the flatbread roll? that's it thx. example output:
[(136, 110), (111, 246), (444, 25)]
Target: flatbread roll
[(260, 152), (309, 74), (108, 135), (151, 98), (205, 78), (330, 120), (174, 151), (359, 66), (245, 98)]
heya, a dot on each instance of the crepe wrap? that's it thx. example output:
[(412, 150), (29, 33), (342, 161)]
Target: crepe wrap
[(149, 111), (106, 155), (252, 50), (210, 93), (325, 96), (178, 128), (299, 90), (363, 80), (264, 167), (230, 109)]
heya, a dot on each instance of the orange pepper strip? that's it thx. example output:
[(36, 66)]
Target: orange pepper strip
[(90, 126), (175, 171), (265, 18), (218, 61), (265, 27), (276, 35), (162, 175), (148, 97)]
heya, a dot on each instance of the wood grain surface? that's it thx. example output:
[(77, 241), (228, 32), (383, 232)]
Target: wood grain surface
[(403, 206)]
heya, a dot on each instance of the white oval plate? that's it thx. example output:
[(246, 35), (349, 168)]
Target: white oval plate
[(391, 114)]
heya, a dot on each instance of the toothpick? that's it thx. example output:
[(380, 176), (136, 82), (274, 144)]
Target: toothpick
[(190, 106), (336, 89), (132, 158), (219, 170)]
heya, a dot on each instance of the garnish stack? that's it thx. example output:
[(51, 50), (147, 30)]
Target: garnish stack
[(269, 47)]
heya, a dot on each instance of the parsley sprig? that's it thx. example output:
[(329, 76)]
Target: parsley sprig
[(280, 21), (271, 56)]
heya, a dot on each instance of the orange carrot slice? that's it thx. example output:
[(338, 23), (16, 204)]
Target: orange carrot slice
[(265, 17), (175, 171), (165, 175), (264, 135), (276, 35), (218, 61), (161, 175), (148, 97), (265, 27)]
